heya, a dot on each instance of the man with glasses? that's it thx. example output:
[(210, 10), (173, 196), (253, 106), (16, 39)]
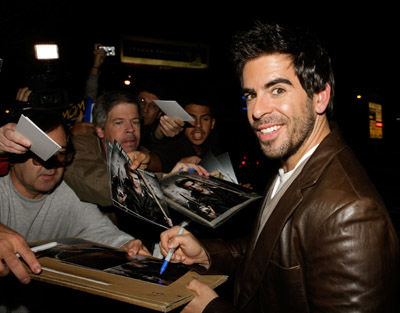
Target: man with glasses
[(36, 204)]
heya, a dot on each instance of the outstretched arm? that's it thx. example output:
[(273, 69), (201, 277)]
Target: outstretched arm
[(11, 243)]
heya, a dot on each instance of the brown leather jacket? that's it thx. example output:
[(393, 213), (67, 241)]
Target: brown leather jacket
[(329, 245), (87, 174)]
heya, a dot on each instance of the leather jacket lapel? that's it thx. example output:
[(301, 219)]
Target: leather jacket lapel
[(257, 259)]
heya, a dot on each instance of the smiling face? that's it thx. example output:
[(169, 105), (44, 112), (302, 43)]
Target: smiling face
[(34, 180), (203, 124), (279, 111), (123, 125)]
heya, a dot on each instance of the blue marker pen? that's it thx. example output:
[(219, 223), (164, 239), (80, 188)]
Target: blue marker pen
[(189, 170), (171, 251)]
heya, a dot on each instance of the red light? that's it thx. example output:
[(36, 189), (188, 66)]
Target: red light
[(243, 162), (379, 124), (257, 163)]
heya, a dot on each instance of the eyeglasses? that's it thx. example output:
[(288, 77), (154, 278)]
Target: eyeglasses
[(58, 159)]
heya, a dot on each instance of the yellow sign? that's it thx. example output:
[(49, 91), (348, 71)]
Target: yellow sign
[(375, 121), (155, 52)]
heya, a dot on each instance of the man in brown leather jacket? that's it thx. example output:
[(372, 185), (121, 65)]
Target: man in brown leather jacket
[(323, 240)]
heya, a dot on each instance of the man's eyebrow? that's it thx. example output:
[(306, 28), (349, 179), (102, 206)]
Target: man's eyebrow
[(278, 81), (122, 118), (248, 90), (268, 85)]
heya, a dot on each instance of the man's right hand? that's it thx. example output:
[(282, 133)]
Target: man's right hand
[(140, 159), (99, 56), (168, 127), (188, 250), (11, 141), (11, 243)]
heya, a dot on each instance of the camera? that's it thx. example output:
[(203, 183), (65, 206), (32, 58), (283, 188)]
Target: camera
[(110, 51), (55, 98), (47, 91)]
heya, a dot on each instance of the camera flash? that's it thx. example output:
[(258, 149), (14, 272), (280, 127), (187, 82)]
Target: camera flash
[(46, 51)]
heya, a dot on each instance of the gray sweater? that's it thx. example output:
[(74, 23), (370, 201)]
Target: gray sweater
[(56, 215)]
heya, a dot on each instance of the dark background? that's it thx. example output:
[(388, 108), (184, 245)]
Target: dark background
[(361, 41)]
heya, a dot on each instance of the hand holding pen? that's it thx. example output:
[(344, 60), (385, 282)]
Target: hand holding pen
[(172, 250), (187, 249)]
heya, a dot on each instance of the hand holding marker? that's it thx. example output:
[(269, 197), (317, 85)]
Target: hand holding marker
[(171, 251)]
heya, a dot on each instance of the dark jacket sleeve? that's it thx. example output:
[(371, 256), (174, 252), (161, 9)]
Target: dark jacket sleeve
[(352, 260), (225, 255), (220, 305)]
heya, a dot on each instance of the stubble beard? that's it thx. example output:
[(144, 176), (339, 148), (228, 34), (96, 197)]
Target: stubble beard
[(302, 128)]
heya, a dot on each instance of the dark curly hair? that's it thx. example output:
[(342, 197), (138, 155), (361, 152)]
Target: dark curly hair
[(310, 60)]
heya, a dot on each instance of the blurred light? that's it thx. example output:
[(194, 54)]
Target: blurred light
[(127, 82), (7, 111), (258, 163), (243, 162), (46, 51), (359, 96), (379, 124)]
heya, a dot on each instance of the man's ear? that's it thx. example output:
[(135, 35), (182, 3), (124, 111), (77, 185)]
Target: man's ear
[(100, 132), (213, 123), (322, 99)]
